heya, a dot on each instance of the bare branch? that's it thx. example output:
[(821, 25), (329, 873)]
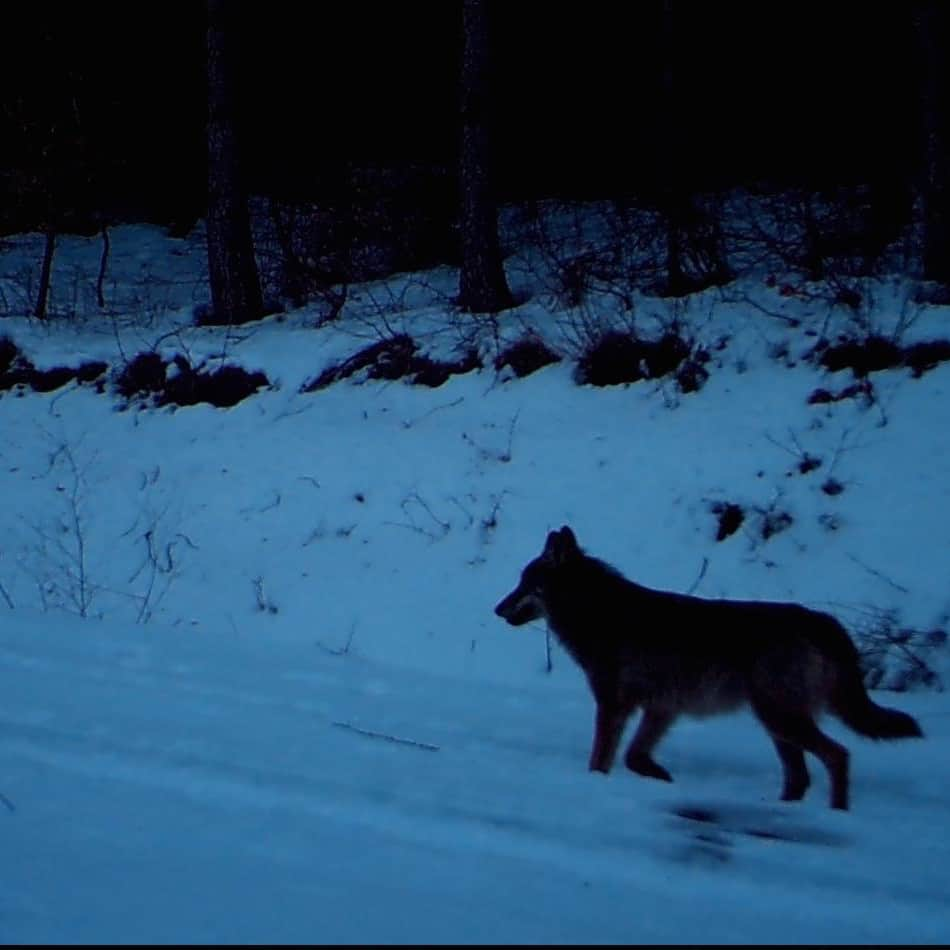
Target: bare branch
[(388, 738)]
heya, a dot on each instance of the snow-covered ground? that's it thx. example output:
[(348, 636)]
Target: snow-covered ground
[(289, 713)]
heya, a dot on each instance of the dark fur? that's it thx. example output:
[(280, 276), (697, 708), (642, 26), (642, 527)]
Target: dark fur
[(669, 653)]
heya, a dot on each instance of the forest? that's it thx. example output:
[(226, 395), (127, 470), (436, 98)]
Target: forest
[(375, 137)]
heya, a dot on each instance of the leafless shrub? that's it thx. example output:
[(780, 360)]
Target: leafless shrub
[(73, 560), (366, 224), (895, 656)]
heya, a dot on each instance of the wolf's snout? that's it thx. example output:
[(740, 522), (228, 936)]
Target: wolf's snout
[(507, 607), (517, 609)]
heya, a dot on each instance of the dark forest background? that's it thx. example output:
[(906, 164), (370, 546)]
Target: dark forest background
[(106, 105)]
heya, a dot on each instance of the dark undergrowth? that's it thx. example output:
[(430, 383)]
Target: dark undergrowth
[(526, 356), (150, 379), (147, 378), (18, 371), (396, 357), (876, 353), (618, 357)]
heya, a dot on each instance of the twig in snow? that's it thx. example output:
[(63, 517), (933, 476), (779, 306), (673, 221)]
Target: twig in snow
[(499, 456), (388, 738), (877, 573), (506, 456), (264, 604), (274, 504), (343, 650), (702, 574), (412, 526), (409, 423)]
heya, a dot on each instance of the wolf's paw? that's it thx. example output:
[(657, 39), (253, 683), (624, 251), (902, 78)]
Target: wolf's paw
[(647, 767)]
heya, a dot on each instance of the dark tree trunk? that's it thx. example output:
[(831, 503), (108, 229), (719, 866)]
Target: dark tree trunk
[(46, 271), (673, 196), (930, 27), (103, 264), (695, 248), (482, 284), (232, 270)]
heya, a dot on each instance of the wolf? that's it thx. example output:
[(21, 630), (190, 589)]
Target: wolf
[(668, 654)]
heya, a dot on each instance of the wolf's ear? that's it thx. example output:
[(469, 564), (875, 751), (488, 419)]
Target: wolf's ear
[(561, 546), (568, 540)]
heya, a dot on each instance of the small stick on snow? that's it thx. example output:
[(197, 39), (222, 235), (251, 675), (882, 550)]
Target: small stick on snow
[(388, 738), (702, 574), (877, 573)]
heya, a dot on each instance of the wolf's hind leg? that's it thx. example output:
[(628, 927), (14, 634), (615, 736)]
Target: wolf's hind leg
[(799, 729), (653, 726)]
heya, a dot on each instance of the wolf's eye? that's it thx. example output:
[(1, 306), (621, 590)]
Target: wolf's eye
[(532, 585)]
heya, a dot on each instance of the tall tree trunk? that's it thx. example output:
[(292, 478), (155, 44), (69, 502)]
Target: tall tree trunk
[(672, 153), (232, 270), (103, 264), (930, 21), (482, 284), (46, 272), (695, 248)]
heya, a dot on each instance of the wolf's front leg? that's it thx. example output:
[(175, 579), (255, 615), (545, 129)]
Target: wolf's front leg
[(608, 729)]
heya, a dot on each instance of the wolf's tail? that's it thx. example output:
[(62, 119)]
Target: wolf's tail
[(849, 699), (864, 716), (851, 703)]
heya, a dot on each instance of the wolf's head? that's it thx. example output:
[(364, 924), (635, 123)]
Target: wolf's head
[(528, 601)]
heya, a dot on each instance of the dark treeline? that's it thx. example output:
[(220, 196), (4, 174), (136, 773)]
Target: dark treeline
[(787, 92), (105, 105)]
